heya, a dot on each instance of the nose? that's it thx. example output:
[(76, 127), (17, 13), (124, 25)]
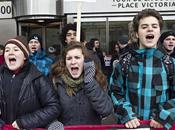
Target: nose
[(72, 37), (73, 61), (150, 28)]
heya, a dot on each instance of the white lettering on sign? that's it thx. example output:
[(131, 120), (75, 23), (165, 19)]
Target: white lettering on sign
[(6, 9)]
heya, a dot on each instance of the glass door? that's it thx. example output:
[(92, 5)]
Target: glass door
[(50, 32)]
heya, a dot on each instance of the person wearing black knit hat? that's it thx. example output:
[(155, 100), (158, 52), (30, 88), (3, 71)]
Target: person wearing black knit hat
[(122, 43), (167, 41), (28, 100), (38, 55), (35, 38)]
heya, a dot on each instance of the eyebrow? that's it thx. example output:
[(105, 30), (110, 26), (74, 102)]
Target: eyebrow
[(12, 47), (145, 24), (71, 33)]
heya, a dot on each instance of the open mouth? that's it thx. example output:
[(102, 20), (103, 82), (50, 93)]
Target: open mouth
[(150, 37), (171, 45), (12, 60), (33, 48), (74, 70)]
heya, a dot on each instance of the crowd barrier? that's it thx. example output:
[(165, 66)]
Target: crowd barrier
[(9, 127), (144, 126)]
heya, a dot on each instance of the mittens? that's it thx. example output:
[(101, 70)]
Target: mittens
[(55, 125), (89, 71)]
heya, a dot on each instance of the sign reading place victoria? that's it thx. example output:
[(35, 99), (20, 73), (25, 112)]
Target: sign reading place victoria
[(5, 9), (134, 5), (120, 6)]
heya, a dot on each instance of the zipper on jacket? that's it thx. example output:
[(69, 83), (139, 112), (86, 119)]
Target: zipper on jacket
[(13, 76)]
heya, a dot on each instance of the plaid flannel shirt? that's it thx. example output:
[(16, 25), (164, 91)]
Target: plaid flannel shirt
[(42, 62), (145, 92)]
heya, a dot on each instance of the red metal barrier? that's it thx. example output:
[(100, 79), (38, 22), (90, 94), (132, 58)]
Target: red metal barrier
[(9, 127), (91, 127), (107, 127)]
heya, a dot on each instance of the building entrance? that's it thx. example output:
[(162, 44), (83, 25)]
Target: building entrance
[(50, 32)]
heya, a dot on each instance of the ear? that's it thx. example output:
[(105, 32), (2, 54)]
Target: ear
[(137, 36)]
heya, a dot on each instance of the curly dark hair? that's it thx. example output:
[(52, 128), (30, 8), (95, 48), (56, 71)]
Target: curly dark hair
[(90, 45), (145, 13), (66, 28)]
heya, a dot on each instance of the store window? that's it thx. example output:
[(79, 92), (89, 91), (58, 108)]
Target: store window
[(98, 30), (116, 30), (169, 25), (95, 30)]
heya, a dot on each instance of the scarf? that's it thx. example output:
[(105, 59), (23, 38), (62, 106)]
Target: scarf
[(72, 85)]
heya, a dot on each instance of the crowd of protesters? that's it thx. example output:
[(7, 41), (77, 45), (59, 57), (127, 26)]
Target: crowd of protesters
[(79, 86)]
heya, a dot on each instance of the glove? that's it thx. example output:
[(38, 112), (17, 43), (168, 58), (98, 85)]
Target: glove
[(89, 71), (55, 125)]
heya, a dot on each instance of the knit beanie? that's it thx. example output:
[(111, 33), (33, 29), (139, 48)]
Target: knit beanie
[(165, 35), (123, 40), (36, 37), (21, 42)]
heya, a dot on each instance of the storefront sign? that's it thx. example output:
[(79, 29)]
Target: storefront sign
[(6, 9), (121, 6)]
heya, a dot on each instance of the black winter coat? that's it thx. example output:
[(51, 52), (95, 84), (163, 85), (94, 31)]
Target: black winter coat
[(88, 106), (37, 102)]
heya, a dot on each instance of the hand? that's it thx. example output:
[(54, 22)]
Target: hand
[(89, 71), (155, 124), (15, 125), (134, 123)]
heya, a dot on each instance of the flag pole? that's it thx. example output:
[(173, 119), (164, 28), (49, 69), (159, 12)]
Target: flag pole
[(78, 33)]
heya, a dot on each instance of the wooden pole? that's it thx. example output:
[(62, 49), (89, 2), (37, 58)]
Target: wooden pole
[(78, 20)]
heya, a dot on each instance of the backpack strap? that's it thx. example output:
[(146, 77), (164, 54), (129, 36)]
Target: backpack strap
[(125, 63), (169, 66)]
